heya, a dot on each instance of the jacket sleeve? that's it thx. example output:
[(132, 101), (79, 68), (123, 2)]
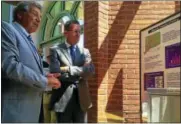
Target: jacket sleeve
[(12, 67), (54, 61), (55, 66), (85, 70)]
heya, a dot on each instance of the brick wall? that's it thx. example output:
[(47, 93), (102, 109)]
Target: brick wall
[(177, 6), (102, 59), (124, 59), (91, 42), (112, 35)]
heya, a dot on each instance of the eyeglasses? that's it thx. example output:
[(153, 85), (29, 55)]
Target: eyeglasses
[(76, 31)]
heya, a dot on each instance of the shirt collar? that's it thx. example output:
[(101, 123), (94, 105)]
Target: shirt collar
[(68, 45), (22, 28)]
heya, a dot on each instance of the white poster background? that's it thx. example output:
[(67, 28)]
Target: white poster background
[(153, 59)]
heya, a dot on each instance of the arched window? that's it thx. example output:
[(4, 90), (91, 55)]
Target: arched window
[(54, 17)]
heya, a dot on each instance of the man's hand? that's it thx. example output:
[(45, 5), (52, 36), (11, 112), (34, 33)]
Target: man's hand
[(56, 75), (54, 82), (64, 69), (86, 63)]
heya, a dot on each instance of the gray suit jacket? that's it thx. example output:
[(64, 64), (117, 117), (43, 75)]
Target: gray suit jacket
[(23, 78), (77, 73)]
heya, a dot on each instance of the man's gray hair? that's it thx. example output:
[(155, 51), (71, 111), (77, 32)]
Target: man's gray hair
[(24, 7)]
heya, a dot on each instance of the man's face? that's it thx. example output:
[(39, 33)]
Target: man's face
[(30, 20), (73, 34)]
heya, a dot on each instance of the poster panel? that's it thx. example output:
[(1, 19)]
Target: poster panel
[(160, 50)]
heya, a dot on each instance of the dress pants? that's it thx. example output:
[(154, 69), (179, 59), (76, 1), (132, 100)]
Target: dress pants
[(41, 114), (73, 113), (49, 115)]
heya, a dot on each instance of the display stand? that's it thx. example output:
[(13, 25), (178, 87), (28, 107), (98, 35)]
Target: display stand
[(164, 105)]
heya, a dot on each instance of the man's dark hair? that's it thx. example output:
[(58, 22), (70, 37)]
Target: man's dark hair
[(68, 24), (24, 7)]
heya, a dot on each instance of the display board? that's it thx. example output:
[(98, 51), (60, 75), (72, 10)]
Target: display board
[(160, 50)]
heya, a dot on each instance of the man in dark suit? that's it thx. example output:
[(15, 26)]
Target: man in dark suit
[(23, 79), (72, 100)]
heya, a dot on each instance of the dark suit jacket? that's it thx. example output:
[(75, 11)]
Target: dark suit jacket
[(78, 73), (66, 81)]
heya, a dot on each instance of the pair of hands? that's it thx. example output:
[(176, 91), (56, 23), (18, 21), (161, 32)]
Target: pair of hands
[(66, 68), (52, 77), (53, 81)]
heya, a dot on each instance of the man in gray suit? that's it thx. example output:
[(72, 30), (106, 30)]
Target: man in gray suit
[(72, 100), (23, 79)]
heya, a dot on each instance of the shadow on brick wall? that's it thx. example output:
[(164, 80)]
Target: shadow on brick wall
[(109, 49), (115, 101), (120, 25), (177, 6), (113, 40)]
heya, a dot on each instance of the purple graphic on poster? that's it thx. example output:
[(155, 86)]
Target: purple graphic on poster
[(153, 80), (172, 55)]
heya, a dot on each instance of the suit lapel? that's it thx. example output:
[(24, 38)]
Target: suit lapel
[(64, 50), (38, 60)]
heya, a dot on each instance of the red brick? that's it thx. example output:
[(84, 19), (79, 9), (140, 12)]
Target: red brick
[(131, 102), (133, 97), (112, 33), (131, 92)]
